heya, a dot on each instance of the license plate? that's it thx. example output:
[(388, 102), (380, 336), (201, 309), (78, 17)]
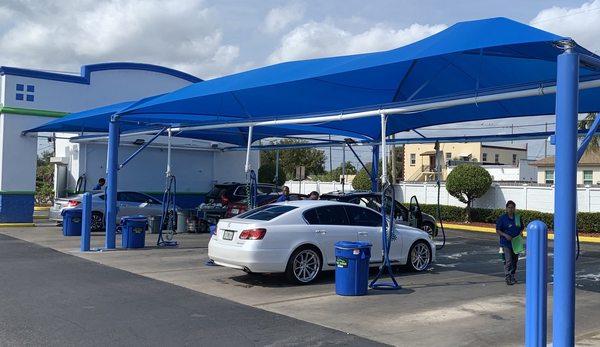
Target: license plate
[(228, 234)]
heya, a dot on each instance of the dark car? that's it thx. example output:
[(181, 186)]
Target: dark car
[(233, 209), (373, 201), (225, 198)]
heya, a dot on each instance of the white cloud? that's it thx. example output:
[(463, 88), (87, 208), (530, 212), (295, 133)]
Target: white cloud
[(312, 40), (63, 35), (280, 18), (580, 23)]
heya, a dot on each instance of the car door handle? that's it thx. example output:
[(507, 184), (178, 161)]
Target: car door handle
[(363, 233), (321, 231)]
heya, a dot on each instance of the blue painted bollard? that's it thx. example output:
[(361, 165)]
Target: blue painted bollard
[(536, 284), (86, 221)]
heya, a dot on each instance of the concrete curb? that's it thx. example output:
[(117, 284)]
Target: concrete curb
[(16, 225), (590, 239)]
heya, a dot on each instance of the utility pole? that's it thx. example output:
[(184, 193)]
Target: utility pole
[(393, 156), (546, 142), (330, 161)]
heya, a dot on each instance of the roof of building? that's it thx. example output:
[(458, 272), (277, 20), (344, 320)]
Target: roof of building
[(86, 70), (589, 158), (505, 147)]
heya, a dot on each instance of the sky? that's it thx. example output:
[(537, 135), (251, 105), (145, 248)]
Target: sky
[(215, 38)]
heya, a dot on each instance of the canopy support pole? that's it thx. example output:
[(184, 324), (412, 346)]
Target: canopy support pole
[(384, 152), (375, 168), (112, 174), (276, 167), (168, 173), (565, 198), (359, 160), (247, 166), (588, 137), (141, 148), (343, 168)]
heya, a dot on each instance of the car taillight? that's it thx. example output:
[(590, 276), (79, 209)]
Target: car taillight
[(73, 203), (253, 234)]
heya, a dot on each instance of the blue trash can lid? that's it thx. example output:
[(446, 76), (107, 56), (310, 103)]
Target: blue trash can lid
[(71, 212), (352, 244), (136, 218)]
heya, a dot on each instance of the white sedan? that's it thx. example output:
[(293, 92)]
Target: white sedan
[(298, 238)]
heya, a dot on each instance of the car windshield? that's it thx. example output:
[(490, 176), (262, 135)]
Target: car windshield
[(267, 212)]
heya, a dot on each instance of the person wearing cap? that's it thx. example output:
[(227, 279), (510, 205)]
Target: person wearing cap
[(509, 226)]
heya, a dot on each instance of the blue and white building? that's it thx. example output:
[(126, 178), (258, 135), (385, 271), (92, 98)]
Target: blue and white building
[(30, 98)]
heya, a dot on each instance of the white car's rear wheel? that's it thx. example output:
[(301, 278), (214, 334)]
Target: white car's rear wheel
[(304, 265), (97, 222), (419, 257)]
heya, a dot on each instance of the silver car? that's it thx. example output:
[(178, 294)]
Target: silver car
[(128, 203)]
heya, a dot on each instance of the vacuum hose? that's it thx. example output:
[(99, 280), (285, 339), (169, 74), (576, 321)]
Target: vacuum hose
[(387, 236), (251, 189), (168, 219), (439, 217)]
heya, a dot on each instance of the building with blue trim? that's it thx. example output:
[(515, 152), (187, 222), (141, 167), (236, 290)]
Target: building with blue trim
[(29, 98)]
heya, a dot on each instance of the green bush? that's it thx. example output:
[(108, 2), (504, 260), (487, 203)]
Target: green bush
[(468, 182), (586, 222)]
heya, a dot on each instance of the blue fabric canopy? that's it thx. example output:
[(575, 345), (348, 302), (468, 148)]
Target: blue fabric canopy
[(467, 59)]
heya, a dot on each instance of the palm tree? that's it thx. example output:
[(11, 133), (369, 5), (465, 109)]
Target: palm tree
[(585, 124)]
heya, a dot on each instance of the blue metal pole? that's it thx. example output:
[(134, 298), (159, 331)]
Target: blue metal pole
[(375, 168), (567, 79), (86, 219), (536, 290), (112, 163)]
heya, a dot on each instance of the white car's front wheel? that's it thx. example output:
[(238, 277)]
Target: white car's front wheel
[(304, 265), (419, 257)]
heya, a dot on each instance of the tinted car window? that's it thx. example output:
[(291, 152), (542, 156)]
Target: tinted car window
[(267, 212), (332, 215), (137, 197), (311, 216), (363, 217)]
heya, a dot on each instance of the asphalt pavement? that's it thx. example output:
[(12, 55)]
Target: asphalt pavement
[(54, 299)]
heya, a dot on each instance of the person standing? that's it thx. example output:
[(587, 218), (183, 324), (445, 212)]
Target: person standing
[(285, 195), (100, 184), (509, 226)]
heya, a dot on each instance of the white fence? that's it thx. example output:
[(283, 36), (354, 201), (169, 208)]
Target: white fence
[(305, 187), (527, 197)]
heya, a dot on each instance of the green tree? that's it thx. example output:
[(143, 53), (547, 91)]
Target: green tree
[(468, 182), (362, 180), (334, 175), (44, 180), (585, 124), (311, 158), (266, 174)]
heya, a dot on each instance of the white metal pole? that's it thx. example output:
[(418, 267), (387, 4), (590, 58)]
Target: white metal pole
[(343, 168), (169, 153), (384, 153), (247, 167)]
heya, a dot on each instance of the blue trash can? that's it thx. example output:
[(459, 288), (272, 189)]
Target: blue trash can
[(352, 267), (71, 221), (134, 231)]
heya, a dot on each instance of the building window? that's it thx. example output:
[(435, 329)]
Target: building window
[(588, 176), (24, 93), (514, 159), (484, 156), (413, 159), (497, 158), (448, 155), (549, 176)]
